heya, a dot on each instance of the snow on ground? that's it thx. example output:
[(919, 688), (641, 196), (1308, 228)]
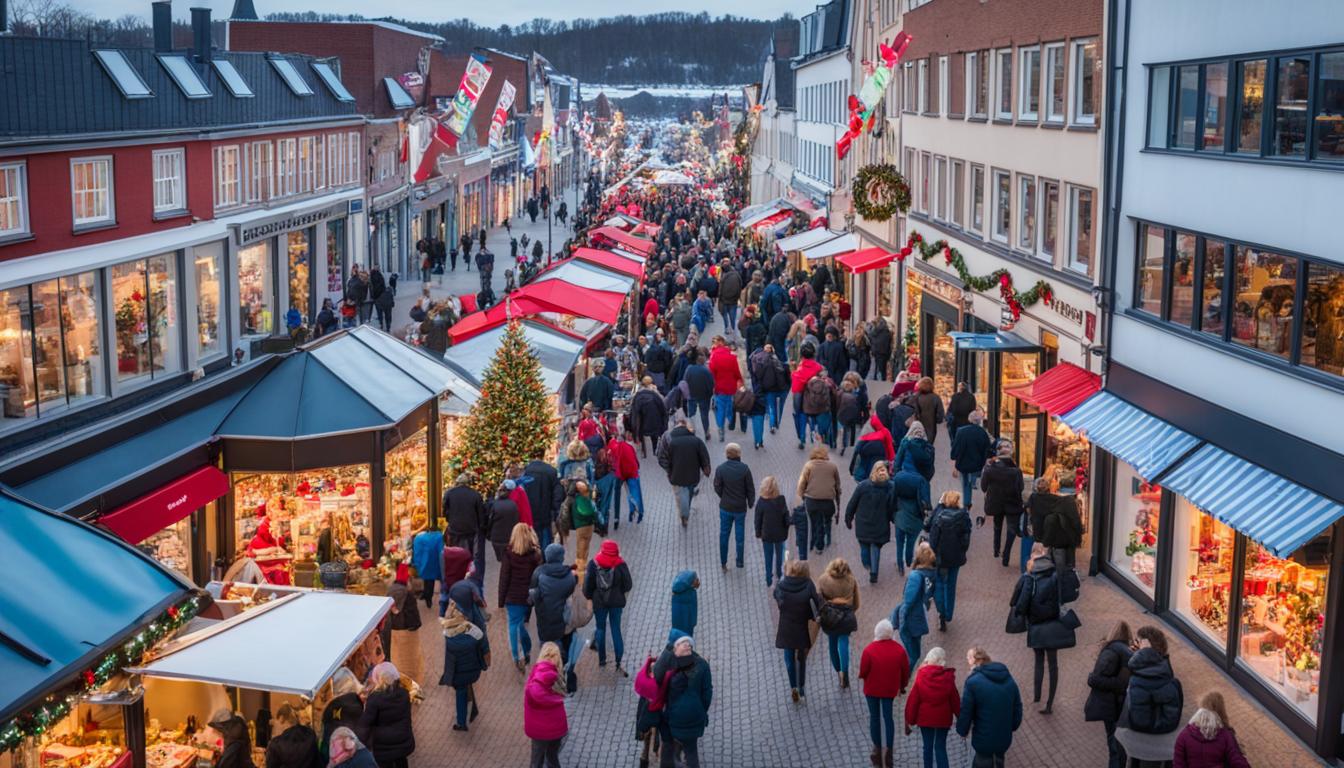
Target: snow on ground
[(665, 89)]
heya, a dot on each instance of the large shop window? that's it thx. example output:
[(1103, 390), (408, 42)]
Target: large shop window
[(336, 252), (50, 347), (256, 289), (208, 261), (1138, 505), (291, 522), (1017, 418), (299, 250), (144, 295), (1264, 285), (407, 482), (1201, 570), (1283, 620)]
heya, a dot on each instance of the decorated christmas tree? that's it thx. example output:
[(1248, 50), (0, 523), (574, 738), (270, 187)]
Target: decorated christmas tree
[(513, 421)]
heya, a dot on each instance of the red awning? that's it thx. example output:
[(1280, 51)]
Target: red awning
[(138, 520), (639, 245), (611, 261), (773, 219), (1060, 389), (868, 258), (569, 299)]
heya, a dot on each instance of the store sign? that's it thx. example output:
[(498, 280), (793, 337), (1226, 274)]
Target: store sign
[(414, 84), (260, 230), (1006, 320), (1090, 326), (1067, 311), (940, 288)]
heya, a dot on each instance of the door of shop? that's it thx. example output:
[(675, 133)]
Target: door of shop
[(988, 372), (937, 350)]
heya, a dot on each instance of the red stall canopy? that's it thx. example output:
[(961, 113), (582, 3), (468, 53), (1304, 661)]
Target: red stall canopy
[(1060, 389), (868, 258), (555, 296), (137, 520), (610, 261), (639, 245)]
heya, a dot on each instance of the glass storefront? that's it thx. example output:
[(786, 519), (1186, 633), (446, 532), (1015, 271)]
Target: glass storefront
[(1135, 516), (407, 483), (1282, 633), (336, 255), (50, 347), (1201, 570), (299, 250), (171, 546), (1018, 419), (944, 368), (296, 509), (209, 264), (144, 295), (256, 290)]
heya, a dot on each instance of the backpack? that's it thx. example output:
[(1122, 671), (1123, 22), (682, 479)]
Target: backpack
[(817, 395), (1155, 710), (606, 578), (744, 400)]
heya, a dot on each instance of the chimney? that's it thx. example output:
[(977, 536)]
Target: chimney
[(200, 34), (163, 25), (243, 10)]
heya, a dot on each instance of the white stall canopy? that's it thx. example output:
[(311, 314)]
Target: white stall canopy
[(291, 645)]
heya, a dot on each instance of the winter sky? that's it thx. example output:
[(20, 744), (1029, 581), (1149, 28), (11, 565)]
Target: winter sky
[(487, 14)]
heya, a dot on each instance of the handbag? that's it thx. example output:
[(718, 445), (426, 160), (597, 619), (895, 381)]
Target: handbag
[(1017, 622), (831, 616)]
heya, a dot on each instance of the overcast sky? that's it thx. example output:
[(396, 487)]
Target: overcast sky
[(487, 14)]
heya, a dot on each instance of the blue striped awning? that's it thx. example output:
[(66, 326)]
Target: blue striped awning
[(1267, 508), (1133, 435)]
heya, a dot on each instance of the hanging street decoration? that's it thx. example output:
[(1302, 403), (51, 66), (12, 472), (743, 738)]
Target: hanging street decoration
[(49, 711), (474, 78), (1015, 300), (880, 192), (863, 107), (501, 114)]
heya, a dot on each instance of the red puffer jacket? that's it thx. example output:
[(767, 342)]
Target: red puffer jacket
[(727, 373), (933, 701), (623, 460)]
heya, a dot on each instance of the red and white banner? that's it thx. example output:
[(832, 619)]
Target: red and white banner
[(428, 141), (502, 107), (469, 92)]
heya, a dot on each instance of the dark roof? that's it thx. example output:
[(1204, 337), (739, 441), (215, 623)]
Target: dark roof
[(243, 11), (82, 591), (784, 47), (834, 20), (56, 88)]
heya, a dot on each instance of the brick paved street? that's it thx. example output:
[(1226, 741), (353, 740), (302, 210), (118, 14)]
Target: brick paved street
[(753, 721)]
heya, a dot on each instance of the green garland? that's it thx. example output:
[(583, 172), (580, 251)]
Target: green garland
[(51, 709), (880, 192), (1041, 291)]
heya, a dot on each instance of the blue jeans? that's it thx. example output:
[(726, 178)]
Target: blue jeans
[(870, 556), (723, 411), (607, 489), (795, 663), (636, 498), (758, 429), (728, 522), (823, 427), (839, 648), (969, 481), (912, 645), (774, 407), (617, 642), (543, 536), (935, 746), (945, 591), (518, 631), (774, 561), (905, 548), (462, 704), (683, 494), (879, 716), (702, 404), (575, 648)]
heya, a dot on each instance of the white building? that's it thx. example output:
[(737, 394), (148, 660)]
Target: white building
[(776, 143), (822, 74)]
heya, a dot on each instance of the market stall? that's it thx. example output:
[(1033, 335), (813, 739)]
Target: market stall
[(558, 352), (602, 235)]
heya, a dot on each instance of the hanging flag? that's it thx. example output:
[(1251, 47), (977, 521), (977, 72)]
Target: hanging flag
[(474, 78), (863, 107), (502, 107), (544, 144), (529, 156), (428, 141)]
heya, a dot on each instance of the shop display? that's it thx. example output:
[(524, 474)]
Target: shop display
[(255, 290), (1134, 540), (282, 518), (171, 546), (299, 251), (407, 481), (1201, 579), (1067, 457), (1283, 620), (209, 268), (1018, 419)]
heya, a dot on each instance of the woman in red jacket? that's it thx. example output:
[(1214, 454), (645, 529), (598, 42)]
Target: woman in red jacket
[(1209, 741), (884, 669), (933, 705), (621, 454)]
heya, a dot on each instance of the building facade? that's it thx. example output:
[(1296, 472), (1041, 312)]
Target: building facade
[(822, 75), (1228, 305), (775, 147)]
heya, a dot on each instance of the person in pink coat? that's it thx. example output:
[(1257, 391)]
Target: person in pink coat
[(544, 720)]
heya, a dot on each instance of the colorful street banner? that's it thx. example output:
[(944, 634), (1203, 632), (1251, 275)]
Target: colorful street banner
[(469, 92), (863, 107), (502, 107)]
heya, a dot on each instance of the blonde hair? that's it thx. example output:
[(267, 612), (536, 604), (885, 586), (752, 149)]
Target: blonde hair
[(523, 539), (286, 714), (936, 657), (950, 499), (980, 655), (1211, 715), (819, 453), (924, 556), (879, 469), (797, 568), (343, 682), (732, 451), (838, 568), (550, 652), (577, 451), (769, 487)]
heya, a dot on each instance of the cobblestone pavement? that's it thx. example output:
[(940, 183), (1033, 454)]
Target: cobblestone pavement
[(752, 720)]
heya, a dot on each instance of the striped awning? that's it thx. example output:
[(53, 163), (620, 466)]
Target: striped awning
[(1267, 508), (1134, 436)]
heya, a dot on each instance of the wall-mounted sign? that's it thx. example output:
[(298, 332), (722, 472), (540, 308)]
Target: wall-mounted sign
[(260, 230), (1067, 311), (414, 83)]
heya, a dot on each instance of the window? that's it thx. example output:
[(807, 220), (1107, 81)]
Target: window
[(923, 101), (169, 177), (1290, 106), (292, 78), (91, 191), (909, 167), (944, 87), (320, 162), (286, 167), (355, 169), (1265, 287), (1004, 110), (1029, 108), (1049, 217), (336, 158), (232, 80), (958, 193), (333, 83), (227, 177), (1181, 303), (975, 83), (307, 175), (1054, 83), (908, 100), (978, 198), (184, 74), (1323, 319), (1026, 213), (144, 298), (13, 200), (208, 262), (256, 289), (1214, 267), (1138, 507), (1329, 121), (1081, 217), (1003, 205), (1250, 105), (1201, 580), (1152, 265), (1085, 82), (940, 189), (1187, 107), (1159, 106), (925, 179), (50, 347), (260, 172), (1214, 135), (123, 75)]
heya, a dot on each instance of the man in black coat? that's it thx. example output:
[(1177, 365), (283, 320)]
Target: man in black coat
[(541, 483), (701, 384), (598, 389), (1001, 481), (879, 338), (971, 448), (485, 265), (464, 509), (737, 493), (687, 460), (833, 357), (357, 291), (648, 415), (658, 361), (780, 323), (552, 584)]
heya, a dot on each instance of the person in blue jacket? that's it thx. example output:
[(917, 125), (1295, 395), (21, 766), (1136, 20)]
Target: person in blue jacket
[(700, 386), (910, 493), (690, 690), (991, 709), (915, 451), (464, 651), (426, 556), (684, 608), (911, 617)]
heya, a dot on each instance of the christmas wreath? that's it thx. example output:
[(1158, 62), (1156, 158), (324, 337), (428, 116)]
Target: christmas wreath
[(880, 192)]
